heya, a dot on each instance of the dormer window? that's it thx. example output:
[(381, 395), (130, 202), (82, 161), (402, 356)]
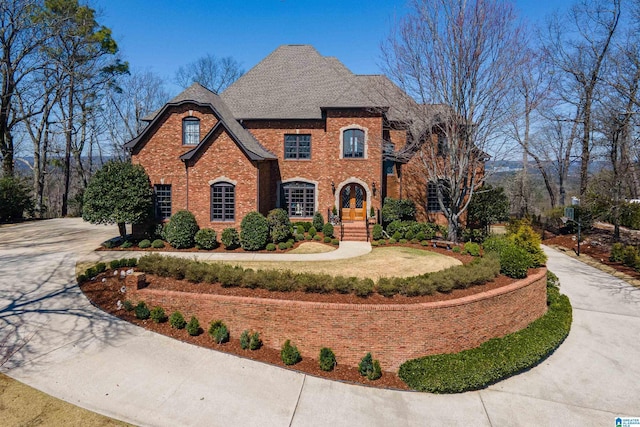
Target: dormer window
[(190, 131), (353, 144)]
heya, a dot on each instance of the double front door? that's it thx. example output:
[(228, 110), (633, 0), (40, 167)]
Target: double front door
[(353, 202)]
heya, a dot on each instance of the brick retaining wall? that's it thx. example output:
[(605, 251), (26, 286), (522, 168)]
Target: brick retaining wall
[(393, 333)]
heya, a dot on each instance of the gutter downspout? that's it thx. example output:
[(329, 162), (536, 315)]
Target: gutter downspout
[(186, 171)]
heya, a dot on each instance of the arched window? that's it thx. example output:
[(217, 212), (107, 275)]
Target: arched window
[(298, 198), (223, 202), (353, 144), (190, 131)]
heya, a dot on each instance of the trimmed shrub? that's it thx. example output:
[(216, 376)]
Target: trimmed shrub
[(392, 241), (521, 233), (193, 327), (308, 237), (271, 247), (144, 244), (127, 305), (397, 235), (305, 226), (403, 241), (617, 250), (126, 244), (255, 342), (318, 221), (176, 320), (363, 287), (181, 230), (395, 209), (218, 331), (313, 231), (157, 244), (375, 243), (279, 225), (376, 233), (317, 238), (496, 359), (327, 240), (409, 235), (245, 339), (142, 311), (335, 242), (100, 267), (283, 246), (157, 314), (456, 249), (472, 248), (254, 231), (327, 230), (366, 365), (327, 359), (299, 237), (206, 238), (230, 238), (289, 353)]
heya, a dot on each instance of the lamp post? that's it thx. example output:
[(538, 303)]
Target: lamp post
[(569, 216)]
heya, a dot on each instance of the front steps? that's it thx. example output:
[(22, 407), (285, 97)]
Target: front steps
[(355, 231)]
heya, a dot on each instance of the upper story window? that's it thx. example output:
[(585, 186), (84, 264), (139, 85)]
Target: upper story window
[(388, 167), (223, 202), (190, 131), (297, 146), (353, 144), (162, 193)]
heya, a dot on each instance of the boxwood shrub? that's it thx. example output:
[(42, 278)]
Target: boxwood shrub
[(181, 230), (144, 244), (318, 221), (327, 230), (157, 244), (230, 238), (206, 238), (327, 359), (193, 327), (279, 225), (496, 359), (176, 320), (254, 231)]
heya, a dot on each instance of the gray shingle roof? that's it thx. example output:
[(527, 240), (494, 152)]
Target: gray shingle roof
[(200, 95), (296, 82)]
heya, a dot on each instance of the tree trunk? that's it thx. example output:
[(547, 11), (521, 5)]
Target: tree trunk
[(67, 151), (122, 229)]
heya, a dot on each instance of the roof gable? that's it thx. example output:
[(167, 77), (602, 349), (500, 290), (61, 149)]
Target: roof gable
[(201, 96)]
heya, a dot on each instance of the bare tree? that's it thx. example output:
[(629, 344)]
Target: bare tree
[(577, 46), (210, 71), (20, 38), (464, 56)]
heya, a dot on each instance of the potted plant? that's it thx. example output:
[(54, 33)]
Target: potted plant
[(372, 215)]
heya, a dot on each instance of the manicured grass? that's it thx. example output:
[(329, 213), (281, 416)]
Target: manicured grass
[(21, 405), (496, 359), (381, 262)]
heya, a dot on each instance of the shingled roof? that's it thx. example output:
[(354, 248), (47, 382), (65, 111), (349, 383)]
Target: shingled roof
[(199, 95), (296, 82)]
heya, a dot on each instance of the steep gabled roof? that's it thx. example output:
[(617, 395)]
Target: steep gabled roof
[(296, 82), (199, 95)]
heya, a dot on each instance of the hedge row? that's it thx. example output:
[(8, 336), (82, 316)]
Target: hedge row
[(496, 359), (480, 271)]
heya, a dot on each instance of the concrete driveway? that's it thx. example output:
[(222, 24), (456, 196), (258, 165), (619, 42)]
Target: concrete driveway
[(51, 338)]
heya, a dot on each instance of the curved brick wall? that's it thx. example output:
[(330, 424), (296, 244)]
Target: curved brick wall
[(393, 333)]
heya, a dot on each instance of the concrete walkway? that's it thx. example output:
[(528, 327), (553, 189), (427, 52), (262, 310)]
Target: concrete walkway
[(51, 338)]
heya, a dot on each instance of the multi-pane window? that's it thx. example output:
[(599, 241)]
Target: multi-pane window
[(388, 167), (162, 194), (298, 198), (432, 196), (190, 131), (353, 143), (223, 202), (297, 146)]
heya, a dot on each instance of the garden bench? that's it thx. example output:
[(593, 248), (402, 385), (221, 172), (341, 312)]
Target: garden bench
[(442, 243)]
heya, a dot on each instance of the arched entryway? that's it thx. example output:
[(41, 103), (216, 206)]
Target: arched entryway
[(353, 202)]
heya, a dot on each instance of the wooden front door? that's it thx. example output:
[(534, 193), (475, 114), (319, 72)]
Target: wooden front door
[(353, 203)]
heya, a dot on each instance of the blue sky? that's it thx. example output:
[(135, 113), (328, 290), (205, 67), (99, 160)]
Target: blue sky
[(161, 35)]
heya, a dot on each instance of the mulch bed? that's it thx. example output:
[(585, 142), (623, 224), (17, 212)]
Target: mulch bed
[(104, 295)]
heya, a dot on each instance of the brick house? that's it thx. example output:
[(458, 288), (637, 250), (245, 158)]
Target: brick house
[(298, 131)]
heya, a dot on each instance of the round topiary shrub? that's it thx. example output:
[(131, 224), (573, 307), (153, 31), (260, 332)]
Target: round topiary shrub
[(271, 247), (157, 244), (327, 230), (176, 320), (335, 242), (282, 246), (126, 244), (206, 238), (397, 235), (327, 359), (279, 225), (157, 314), (327, 239), (313, 231), (218, 331), (142, 311), (181, 230), (254, 231), (317, 237), (193, 327), (144, 244), (289, 353), (230, 238)]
